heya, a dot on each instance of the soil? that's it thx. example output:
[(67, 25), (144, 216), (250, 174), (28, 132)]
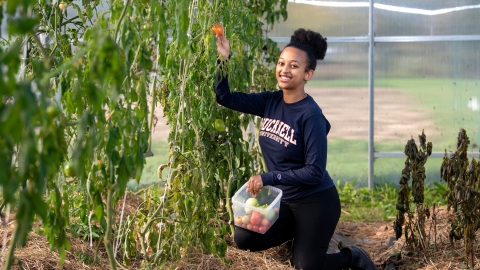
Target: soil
[(376, 238)]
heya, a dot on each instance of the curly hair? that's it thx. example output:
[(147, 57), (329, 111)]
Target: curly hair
[(312, 43)]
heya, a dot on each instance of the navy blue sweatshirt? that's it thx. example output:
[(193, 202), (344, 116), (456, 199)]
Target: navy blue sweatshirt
[(293, 139)]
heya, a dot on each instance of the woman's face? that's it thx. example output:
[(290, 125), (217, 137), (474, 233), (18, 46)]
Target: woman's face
[(292, 69)]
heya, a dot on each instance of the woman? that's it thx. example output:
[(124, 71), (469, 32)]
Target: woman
[(293, 139)]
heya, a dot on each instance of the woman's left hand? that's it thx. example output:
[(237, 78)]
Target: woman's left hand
[(223, 46), (254, 184)]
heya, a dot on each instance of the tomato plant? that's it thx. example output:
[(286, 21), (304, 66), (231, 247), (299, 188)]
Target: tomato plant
[(61, 75), (105, 69)]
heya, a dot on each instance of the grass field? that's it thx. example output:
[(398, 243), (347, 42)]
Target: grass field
[(149, 175)]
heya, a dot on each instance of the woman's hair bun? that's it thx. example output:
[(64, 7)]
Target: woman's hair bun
[(313, 39)]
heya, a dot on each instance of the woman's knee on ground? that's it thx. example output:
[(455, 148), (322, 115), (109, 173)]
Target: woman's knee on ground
[(246, 240)]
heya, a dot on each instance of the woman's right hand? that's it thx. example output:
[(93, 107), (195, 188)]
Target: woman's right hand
[(223, 46), (254, 184)]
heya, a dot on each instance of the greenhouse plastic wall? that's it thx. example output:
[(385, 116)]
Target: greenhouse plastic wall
[(426, 76)]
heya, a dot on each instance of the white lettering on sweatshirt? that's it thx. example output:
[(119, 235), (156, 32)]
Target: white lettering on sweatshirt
[(278, 131)]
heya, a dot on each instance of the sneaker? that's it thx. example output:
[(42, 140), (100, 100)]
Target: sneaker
[(360, 259)]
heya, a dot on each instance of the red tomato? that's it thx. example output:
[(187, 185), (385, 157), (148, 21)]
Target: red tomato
[(256, 218), (265, 222), (250, 226), (217, 29), (262, 229), (255, 228)]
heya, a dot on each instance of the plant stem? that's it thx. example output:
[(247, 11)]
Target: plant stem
[(152, 112), (257, 140), (65, 65), (107, 240), (122, 15), (42, 49), (10, 258), (229, 205), (69, 21)]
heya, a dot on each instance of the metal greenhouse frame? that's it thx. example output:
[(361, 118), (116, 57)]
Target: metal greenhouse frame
[(371, 39)]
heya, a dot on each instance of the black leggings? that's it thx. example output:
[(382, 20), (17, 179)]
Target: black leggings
[(311, 222)]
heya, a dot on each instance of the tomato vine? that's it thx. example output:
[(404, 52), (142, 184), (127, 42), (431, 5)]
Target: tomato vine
[(210, 157), (78, 84)]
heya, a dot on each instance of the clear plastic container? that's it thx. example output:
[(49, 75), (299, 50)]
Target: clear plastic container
[(258, 213)]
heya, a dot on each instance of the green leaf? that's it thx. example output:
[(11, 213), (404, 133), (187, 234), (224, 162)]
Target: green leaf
[(162, 33), (98, 206), (10, 56), (1, 16), (22, 25), (182, 20), (124, 173), (79, 11), (12, 6), (24, 218), (113, 137), (39, 206)]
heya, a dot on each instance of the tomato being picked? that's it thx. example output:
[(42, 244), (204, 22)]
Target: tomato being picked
[(218, 29)]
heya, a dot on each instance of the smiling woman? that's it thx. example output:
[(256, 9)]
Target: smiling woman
[(293, 140)]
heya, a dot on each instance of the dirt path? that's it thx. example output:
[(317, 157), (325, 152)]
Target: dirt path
[(347, 109)]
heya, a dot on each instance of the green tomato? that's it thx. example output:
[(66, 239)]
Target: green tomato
[(219, 125), (270, 215), (250, 202), (53, 111), (69, 170)]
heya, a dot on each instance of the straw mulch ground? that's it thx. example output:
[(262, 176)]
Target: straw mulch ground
[(376, 238)]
